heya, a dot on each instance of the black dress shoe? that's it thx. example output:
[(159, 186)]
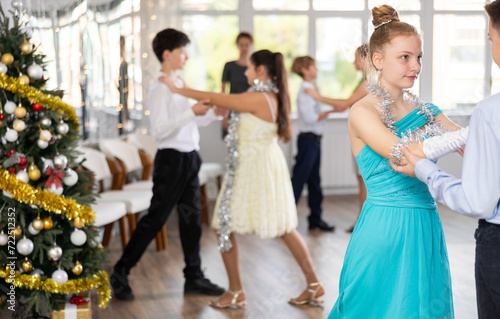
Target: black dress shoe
[(322, 225), (202, 286), (122, 290)]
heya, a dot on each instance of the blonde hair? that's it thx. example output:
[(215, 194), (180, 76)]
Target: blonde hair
[(387, 27), (302, 62)]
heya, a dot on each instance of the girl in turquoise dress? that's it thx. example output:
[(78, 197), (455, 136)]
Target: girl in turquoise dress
[(396, 263)]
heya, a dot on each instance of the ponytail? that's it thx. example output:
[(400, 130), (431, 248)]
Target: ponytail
[(283, 121)]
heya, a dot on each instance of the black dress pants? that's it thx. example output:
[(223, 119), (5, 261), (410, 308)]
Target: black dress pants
[(175, 182)]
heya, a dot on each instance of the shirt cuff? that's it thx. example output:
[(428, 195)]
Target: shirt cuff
[(424, 168)]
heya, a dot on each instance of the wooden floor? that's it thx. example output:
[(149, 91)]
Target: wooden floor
[(270, 274)]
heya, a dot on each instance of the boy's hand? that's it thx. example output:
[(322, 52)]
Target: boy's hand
[(407, 168), (201, 108)]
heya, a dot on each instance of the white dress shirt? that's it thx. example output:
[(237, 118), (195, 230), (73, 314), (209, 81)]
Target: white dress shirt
[(172, 122), (309, 110), (477, 194)]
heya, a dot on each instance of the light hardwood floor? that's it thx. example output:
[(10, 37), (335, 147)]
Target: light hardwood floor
[(270, 274)]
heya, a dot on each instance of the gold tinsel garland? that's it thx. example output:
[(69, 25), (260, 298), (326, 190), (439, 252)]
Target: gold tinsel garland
[(100, 281), (28, 92), (25, 193)]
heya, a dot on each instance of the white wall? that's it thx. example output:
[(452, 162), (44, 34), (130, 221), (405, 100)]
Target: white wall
[(337, 172)]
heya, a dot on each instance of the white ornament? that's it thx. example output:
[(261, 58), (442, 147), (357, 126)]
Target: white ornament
[(3, 68), (45, 135), (3, 239), (78, 237), (35, 71), (9, 107), (46, 122), (60, 161), (23, 176), (37, 273), (92, 243), (17, 4), (70, 178), (46, 164), (7, 194), (62, 128), (32, 231), (54, 189), (19, 125), (42, 144), (60, 276), (25, 246), (11, 135), (55, 252)]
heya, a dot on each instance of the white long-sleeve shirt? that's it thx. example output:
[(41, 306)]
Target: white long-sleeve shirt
[(477, 194), (172, 121), (309, 111)]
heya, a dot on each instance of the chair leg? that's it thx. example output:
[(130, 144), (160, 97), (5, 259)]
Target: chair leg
[(107, 234), (205, 214), (132, 222), (159, 243), (123, 231), (219, 181), (164, 236)]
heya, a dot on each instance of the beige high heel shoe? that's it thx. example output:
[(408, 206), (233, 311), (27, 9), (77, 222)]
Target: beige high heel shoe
[(312, 299), (234, 301)]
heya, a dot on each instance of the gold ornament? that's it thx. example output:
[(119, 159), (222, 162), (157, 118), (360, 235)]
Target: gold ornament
[(26, 47), (24, 79), (7, 59), (52, 102), (19, 125), (27, 265), (98, 280), (45, 135), (34, 174), (78, 223), (37, 223), (47, 223), (16, 232), (20, 111), (77, 269)]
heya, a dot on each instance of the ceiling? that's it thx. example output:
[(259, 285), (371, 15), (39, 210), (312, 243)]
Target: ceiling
[(50, 5)]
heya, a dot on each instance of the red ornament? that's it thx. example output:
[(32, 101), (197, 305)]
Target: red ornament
[(61, 94), (12, 170), (36, 107), (78, 300), (22, 161), (12, 151), (2, 117)]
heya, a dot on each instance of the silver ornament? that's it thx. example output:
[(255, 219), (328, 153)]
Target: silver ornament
[(42, 144), (17, 4), (46, 122), (60, 161), (35, 71), (4, 238), (78, 237), (3, 68), (11, 135), (25, 246), (55, 252), (32, 230), (60, 276), (23, 176), (37, 273), (62, 128), (70, 177), (9, 107)]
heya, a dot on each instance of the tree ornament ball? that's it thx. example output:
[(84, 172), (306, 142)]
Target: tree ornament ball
[(25, 246), (17, 4), (36, 107), (35, 71), (9, 107), (19, 125), (55, 252), (37, 273), (62, 128), (20, 111), (23, 176), (11, 135), (27, 265), (16, 232), (46, 122), (24, 79), (78, 223), (70, 178), (78, 237), (7, 59), (38, 224), (47, 223), (32, 230), (33, 172), (60, 276), (42, 144), (60, 161), (3, 68), (26, 47), (45, 135), (4, 238), (77, 269)]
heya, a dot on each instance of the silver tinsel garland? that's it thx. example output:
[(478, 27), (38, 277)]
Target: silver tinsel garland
[(224, 212), (431, 128)]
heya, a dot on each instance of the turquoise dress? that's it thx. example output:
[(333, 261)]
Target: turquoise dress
[(396, 264)]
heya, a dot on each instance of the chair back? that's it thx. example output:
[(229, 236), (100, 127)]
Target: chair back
[(96, 162), (126, 152), (145, 142)]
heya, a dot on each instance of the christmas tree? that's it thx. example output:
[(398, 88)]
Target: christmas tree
[(48, 245)]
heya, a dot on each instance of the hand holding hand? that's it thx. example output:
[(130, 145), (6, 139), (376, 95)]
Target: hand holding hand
[(201, 108), (219, 111)]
